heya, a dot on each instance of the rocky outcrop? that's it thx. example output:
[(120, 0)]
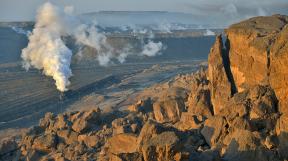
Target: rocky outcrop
[(249, 44), (258, 52)]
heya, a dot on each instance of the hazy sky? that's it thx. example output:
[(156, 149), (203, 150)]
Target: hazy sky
[(217, 10)]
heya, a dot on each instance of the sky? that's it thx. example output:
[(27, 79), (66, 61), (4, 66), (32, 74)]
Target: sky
[(208, 10)]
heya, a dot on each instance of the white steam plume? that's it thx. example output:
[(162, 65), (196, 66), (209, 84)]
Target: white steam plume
[(152, 49), (47, 51)]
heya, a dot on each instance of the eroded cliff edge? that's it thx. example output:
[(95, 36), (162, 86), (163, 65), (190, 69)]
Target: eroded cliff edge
[(235, 110)]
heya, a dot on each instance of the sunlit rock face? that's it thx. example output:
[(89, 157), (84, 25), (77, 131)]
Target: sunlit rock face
[(278, 68), (258, 54)]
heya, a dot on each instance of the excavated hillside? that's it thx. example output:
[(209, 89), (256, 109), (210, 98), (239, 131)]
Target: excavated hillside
[(234, 110)]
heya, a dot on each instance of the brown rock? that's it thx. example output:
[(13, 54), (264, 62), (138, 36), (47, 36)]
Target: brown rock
[(168, 110), (278, 68), (263, 101), (122, 143), (149, 130), (189, 121), (256, 104), (262, 56), (244, 145), (142, 106), (220, 85), (128, 124), (240, 123), (85, 120), (47, 120), (74, 151), (90, 140), (249, 43), (61, 122), (45, 142), (214, 130), (161, 147), (199, 103), (67, 136)]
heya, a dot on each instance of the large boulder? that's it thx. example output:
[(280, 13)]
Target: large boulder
[(214, 130), (82, 121), (168, 109), (122, 143)]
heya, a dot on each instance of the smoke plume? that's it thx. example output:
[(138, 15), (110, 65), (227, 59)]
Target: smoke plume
[(48, 52)]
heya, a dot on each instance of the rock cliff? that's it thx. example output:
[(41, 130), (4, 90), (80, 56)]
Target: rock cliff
[(235, 109)]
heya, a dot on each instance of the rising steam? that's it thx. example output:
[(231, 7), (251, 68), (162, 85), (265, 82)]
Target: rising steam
[(152, 48), (47, 50)]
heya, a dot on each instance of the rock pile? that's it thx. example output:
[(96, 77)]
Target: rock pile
[(235, 110)]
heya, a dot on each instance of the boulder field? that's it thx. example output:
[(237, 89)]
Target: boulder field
[(233, 109)]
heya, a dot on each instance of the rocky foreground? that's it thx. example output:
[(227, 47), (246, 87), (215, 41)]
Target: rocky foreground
[(236, 110)]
